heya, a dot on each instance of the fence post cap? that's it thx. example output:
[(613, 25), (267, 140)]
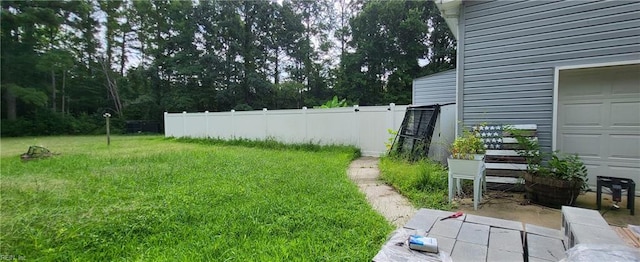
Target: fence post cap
[(264, 109), (392, 104), (304, 108), (206, 112), (184, 112), (166, 113), (233, 110)]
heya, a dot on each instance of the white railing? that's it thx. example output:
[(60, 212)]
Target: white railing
[(364, 127)]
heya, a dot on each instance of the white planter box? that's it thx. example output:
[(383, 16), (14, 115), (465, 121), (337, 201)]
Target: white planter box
[(466, 169)]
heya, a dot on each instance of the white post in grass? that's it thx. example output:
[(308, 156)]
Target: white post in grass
[(266, 123), (304, 115), (206, 118), (184, 123), (107, 116)]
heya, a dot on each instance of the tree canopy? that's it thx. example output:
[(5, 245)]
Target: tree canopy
[(65, 63)]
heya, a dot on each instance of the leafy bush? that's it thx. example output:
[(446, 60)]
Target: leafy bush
[(334, 103), (46, 123), (270, 143), (554, 164), (424, 182), (465, 146)]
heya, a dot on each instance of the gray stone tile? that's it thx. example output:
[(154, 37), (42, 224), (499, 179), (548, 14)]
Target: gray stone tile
[(535, 259), (495, 222), (499, 255), (444, 243), (545, 247), (583, 216), (446, 228), (579, 211), (423, 219), (474, 233), (543, 231), (463, 252), (593, 220), (586, 234), (505, 239)]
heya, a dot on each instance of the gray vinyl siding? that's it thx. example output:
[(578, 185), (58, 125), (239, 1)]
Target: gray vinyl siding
[(511, 49), (439, 88)]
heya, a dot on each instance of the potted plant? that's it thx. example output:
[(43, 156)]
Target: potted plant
[(467, 162), (467, 154), (553, 179)]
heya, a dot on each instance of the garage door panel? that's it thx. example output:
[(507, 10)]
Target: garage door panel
[(590, 85), (625, 113), (599, 118), (582, 114), (624, 147), (581, 144), (626, 87), (621, 83), (592, 170)]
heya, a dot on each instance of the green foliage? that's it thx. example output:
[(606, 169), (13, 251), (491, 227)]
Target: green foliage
[(334, 103), (424, 182), (242, 107), (388, 38), (45, 122), (271, 143), (554, 164), (392, 137), (152, 199), (29, 96), (465, 146), (218, 56)]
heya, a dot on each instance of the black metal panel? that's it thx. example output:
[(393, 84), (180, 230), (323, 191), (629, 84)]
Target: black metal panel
[(415, 134)]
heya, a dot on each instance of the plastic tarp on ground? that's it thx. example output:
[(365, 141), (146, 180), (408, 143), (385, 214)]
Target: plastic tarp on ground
[(396, 249), (601, 252)]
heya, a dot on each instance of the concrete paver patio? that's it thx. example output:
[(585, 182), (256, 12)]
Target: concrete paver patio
[(476, 238), (504, 228)]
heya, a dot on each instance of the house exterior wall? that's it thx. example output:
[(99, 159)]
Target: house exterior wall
[(508, 51), (439, 88)]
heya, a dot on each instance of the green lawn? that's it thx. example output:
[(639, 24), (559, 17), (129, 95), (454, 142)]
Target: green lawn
[(423, 182), (155, 199)]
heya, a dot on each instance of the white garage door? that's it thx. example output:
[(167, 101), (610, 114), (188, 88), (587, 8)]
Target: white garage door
[(599, 118)]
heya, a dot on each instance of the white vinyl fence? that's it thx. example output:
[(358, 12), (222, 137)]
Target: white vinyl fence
[(364, 127)]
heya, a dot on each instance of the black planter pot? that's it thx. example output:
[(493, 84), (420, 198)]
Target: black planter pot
[(550, 191)]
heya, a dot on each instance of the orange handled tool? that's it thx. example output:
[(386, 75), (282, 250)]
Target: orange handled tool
[(456, 214)]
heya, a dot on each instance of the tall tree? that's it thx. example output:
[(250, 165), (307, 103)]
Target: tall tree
[(390, 39)]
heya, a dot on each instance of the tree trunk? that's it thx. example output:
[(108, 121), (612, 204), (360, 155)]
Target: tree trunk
[(112, 87), (276, 75), (10, 100), (123, 57), (64, 79), (53, 91)]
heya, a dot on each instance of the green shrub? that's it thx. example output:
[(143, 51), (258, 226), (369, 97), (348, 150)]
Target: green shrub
[(271, 143), (424, 182), (43, 122)]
